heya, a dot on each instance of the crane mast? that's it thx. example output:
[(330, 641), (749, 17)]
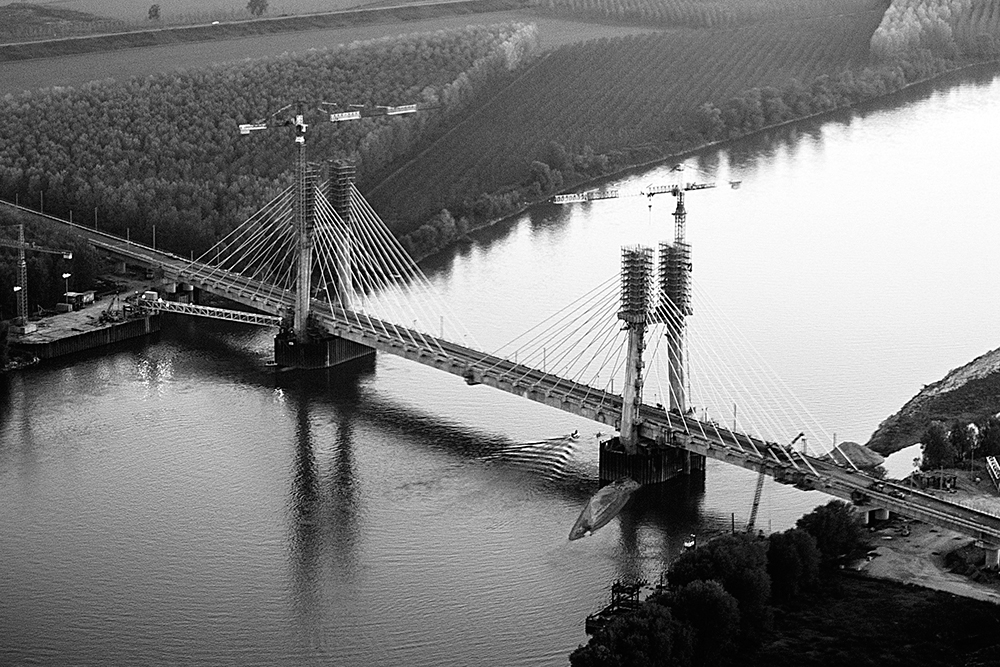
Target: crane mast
[(22, 273), (306, 180), (674, 303)]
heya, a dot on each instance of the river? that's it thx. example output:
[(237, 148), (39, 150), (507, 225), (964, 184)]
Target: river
[(178, 503)]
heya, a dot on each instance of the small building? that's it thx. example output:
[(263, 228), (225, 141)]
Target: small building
[(936, 479), (79, 300)]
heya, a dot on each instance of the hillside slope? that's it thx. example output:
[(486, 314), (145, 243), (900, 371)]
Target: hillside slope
[(965, 393)]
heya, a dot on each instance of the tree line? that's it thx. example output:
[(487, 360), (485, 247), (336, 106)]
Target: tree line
[(951, 445), (947, 27), (718, 605)]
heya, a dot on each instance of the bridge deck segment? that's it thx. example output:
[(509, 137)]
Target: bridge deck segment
[(656, 426)]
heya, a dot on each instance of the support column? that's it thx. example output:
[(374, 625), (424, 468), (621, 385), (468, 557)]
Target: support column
[(22, 282), (992, 558), (339, 189), (636, 276), (305, 220)]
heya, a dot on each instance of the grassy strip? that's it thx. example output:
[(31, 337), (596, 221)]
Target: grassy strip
[(230, 30)]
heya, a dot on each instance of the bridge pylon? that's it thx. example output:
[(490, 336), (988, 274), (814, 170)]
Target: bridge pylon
[(636, 282), (629, 455), (307, 345)]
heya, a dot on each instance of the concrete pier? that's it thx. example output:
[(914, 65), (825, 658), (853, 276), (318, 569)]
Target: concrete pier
[(651, 464), (316, 352)]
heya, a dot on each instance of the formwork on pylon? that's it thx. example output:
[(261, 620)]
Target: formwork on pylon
[(342, 175), (637, 264), (305, 195), (675, 280)]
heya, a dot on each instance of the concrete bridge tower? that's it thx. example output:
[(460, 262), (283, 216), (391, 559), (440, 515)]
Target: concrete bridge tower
[(339, 186), (306, 345), (675, 303), (636, 283), (629, 455)]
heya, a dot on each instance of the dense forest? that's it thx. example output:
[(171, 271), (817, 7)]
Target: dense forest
[(165, 150)]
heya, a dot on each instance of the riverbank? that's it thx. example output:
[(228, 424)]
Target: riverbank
[(622, 172), (966, 393)]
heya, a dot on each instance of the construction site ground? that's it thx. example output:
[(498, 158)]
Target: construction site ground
[(915, 552)]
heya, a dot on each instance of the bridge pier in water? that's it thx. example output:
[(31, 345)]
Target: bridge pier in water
[(317, 352), (303, 345), (651, 463), (629, 455)]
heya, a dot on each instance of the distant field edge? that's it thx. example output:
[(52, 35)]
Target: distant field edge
[(234, 29)]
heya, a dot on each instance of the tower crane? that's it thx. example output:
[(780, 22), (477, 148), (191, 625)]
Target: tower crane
[(677, 190), (760, 488), (304, 193), (22, 273)]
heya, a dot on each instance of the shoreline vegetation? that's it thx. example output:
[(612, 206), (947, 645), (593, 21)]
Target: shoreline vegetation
[(794, 598), (442, 231), (967, 394)]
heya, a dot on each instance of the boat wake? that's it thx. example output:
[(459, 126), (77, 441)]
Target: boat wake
[(549, 458)]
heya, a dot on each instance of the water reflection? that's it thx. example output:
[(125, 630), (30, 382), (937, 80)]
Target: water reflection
[(324, 499), (6, 398), (655, 523)]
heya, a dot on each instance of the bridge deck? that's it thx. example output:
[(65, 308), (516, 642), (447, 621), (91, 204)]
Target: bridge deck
[(658, 427)]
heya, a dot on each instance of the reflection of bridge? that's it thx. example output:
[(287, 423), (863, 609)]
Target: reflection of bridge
[(317, 263)]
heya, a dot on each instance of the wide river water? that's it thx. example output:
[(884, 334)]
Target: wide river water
[(177, 503)]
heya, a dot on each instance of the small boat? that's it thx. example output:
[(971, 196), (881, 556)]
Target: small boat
[(603, 506)]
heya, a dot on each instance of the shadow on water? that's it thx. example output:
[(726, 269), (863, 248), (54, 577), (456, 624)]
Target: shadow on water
[(6, 392), (324, 497)]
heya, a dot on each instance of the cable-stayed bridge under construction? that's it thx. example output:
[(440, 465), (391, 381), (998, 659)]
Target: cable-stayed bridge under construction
[(317, 263)]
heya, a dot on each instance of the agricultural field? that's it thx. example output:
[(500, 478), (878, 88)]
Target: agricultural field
[(22, 19), (700, 13), (617, 94), (76, 70), (136, 12)]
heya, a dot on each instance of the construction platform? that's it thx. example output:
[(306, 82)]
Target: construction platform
[(77, 331)]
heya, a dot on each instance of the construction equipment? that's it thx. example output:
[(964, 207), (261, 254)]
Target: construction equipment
[(336, 114), (21, 323), (760, 488)]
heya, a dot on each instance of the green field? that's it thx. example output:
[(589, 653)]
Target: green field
[(78, 69), (621, 94)]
